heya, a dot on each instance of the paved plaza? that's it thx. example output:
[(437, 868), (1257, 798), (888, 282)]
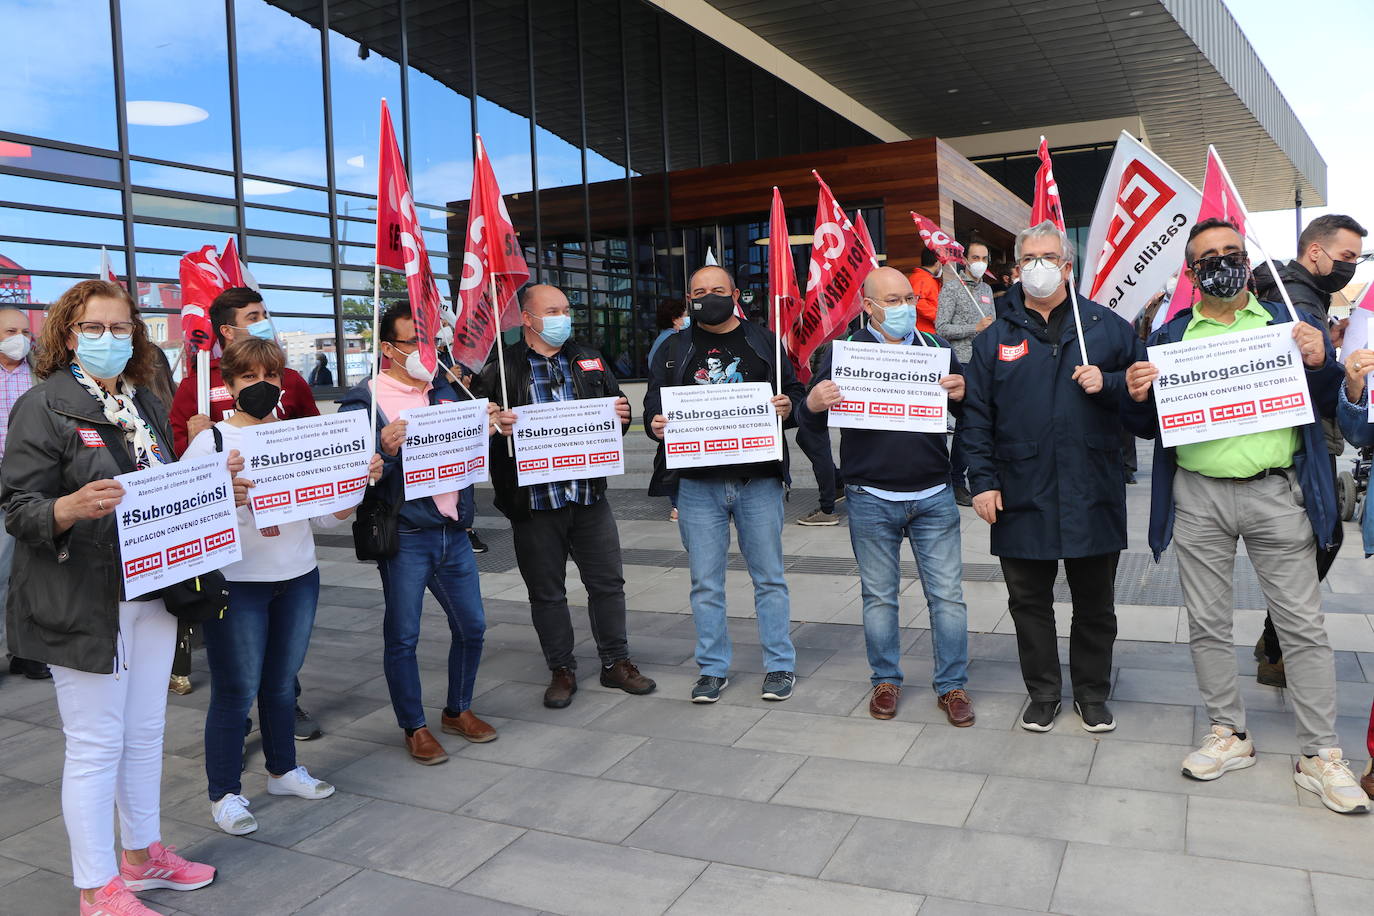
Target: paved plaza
[(646, 805)]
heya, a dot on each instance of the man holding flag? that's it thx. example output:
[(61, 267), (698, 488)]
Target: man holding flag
[(965, 311)]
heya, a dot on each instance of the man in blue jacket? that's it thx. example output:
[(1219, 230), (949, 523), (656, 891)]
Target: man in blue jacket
[(1043, 437), (1272, 488), (899, 488)]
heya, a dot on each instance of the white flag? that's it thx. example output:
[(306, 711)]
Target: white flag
[(1139, 228), (106, 268), (711, 258)]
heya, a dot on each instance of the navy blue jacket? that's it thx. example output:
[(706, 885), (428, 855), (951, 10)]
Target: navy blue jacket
[(416, 513), (882, 458), (1310, 462), (1029, 430)]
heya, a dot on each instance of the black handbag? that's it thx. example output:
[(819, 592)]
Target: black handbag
[(375, 534), (203, 597)]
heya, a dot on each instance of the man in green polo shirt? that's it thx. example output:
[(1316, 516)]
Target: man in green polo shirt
[(1275, 490)]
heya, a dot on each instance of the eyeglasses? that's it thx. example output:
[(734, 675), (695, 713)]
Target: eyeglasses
[(895, 301), (1217, 261), (94, 330), (1053, 260)]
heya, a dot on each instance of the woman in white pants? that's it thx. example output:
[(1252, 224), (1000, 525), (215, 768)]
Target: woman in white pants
[(89, 419)]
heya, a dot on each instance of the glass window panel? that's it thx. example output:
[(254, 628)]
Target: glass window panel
[(683, 145), (281, 96), (641, 50), (557, 96), (281, 221), (34, 224), (176, 75), (287, 275), (356, 232), (740, 103), (302, 338), (58, 76), (713, 126), (286, 301), (357, 86), (261, 246), (188, 211), (440, 110), (42, 159), (166, 266), (155, 294), (18, 288), (503, 94), (356, 255), (285, 195), (147, 235), (605, 90), (358, 280), (18, 189), (192, 181), (59, 258)]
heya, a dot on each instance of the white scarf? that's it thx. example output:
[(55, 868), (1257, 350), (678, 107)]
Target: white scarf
[(121, 411)]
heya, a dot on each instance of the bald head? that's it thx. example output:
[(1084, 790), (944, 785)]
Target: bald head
[(709, 280), (535, 299), (886, 282)]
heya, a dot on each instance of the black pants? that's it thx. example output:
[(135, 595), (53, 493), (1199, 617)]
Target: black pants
[(1030, 597), (958, 463), (542, 546), (816, 447)]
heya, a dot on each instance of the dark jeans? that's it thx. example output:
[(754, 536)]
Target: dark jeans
[(816, 446), (958, 463), (1030, 597), (441, 560), (542, 546), (255, 650)]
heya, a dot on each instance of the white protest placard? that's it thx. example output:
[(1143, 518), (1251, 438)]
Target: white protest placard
[(307, 467), (710, 425), (890, 387), (174, 522), (445, 447), (568, 440), (1230, 385)]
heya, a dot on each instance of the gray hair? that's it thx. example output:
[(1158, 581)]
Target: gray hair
[(1046, 228)]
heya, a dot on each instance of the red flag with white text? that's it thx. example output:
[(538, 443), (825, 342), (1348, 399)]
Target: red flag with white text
[(202, 279), (947, 251), (1219, 201), (492, 251), (234, 268), (783, 294), (401, 243), (1046, 205)]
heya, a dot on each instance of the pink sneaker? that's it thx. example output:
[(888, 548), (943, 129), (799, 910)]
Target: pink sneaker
[(164, 868), (114, 899)]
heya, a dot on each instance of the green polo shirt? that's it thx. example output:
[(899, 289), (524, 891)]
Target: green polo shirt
[(1236, 456)]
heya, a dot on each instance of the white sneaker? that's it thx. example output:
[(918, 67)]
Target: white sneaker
[(300, 783), (1328, 775), (1220, 753), (231, 815)]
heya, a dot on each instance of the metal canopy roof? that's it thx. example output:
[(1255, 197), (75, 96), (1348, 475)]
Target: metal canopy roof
[(1183, 66)]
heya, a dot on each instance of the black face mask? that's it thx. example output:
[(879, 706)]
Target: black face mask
[(259, 399), (1220, 279), (1338, 279), (712, 309)]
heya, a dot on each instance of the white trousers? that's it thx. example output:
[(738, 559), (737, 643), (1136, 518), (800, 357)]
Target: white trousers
[(114, 724)]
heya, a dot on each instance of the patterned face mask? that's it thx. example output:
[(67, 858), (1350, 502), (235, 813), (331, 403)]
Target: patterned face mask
[(1222, 276)]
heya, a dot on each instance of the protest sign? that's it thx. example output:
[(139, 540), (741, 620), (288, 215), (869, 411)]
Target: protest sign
[(445, 447), (174, 522), (308, 467), (890, 387), (710, 425), (568, 440), (1229, 385)]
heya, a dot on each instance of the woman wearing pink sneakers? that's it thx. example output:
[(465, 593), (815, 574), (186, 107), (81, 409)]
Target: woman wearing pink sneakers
[(90, 418)]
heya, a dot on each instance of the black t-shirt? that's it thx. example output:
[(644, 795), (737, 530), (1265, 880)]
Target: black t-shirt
[(1054, 327), (724, 359)]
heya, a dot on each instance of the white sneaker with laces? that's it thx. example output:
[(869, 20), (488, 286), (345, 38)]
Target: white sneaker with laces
[(1328, 775), (1220, 753), (300, 783), (231, 815)]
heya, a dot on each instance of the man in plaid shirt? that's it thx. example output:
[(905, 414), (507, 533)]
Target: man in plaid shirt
[(15, 379)]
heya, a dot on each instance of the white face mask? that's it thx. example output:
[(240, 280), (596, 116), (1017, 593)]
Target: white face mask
[(1040, 280), (15, 347), (976, 269), (414, 367)]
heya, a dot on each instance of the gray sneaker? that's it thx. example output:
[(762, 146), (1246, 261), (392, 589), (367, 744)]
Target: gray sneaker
[(818, 519), (777, 685), (708, 688)]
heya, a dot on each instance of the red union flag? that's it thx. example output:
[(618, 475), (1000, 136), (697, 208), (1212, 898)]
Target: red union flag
[(938, 240), (1140, 224), (782, 271), (1220, 200), (492, 257), (839, 262), (401, 242), (1046, 204), (233, 265), (202, 279)]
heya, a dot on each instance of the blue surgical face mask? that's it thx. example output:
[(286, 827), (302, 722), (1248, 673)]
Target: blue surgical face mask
[(263, 330), (899, 322), (686, 322), (104, 357), (557, 329)]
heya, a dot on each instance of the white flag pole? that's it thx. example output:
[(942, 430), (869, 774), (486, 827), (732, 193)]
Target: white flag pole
[(203, 382), (1077, 319), (1245, 216), (967, 292), (777, 358), (376, 339), (500, 354)]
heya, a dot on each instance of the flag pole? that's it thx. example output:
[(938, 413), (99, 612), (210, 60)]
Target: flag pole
[(203, 382), (777, 358), (500, 354), (1245, 213), (376, 341), (1077, 318), (967, 292)]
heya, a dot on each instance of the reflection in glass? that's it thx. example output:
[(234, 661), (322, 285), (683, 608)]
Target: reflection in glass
[(503, 90), (440, 111), (359, 81), (281, 116), (21, 190), (40, 158), (34, 224), (183, 210), (58, 76), (192, 181), (58, 258), (283, 221), (262, 246)]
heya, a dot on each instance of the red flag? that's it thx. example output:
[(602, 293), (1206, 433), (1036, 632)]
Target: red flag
[(861, 225), (783, 294), (492, 251), (1046, 205), (839, 262), (937, 240), (1220, 201), (233, 265), (202, 279), (401, 242)]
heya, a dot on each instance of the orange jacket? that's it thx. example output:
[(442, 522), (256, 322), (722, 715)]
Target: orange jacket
[(927, 290)]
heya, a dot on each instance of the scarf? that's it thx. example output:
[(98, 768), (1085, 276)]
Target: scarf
[(120, 410)]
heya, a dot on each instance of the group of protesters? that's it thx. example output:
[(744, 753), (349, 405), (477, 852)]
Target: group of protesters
[(1037, 450)]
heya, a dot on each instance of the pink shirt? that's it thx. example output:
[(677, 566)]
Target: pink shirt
[(392, 398)]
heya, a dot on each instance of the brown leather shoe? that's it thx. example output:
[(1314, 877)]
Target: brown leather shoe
[(561, 688), (883, 704), (467, 725), (623, 675), (425, 748), (958, 708)]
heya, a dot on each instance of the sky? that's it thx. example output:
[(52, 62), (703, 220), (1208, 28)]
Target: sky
[(1318, 62)]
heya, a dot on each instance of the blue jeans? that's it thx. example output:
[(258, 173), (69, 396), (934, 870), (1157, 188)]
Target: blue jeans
[(256, 649), (441, 559), (876, 529), (705, 507)]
